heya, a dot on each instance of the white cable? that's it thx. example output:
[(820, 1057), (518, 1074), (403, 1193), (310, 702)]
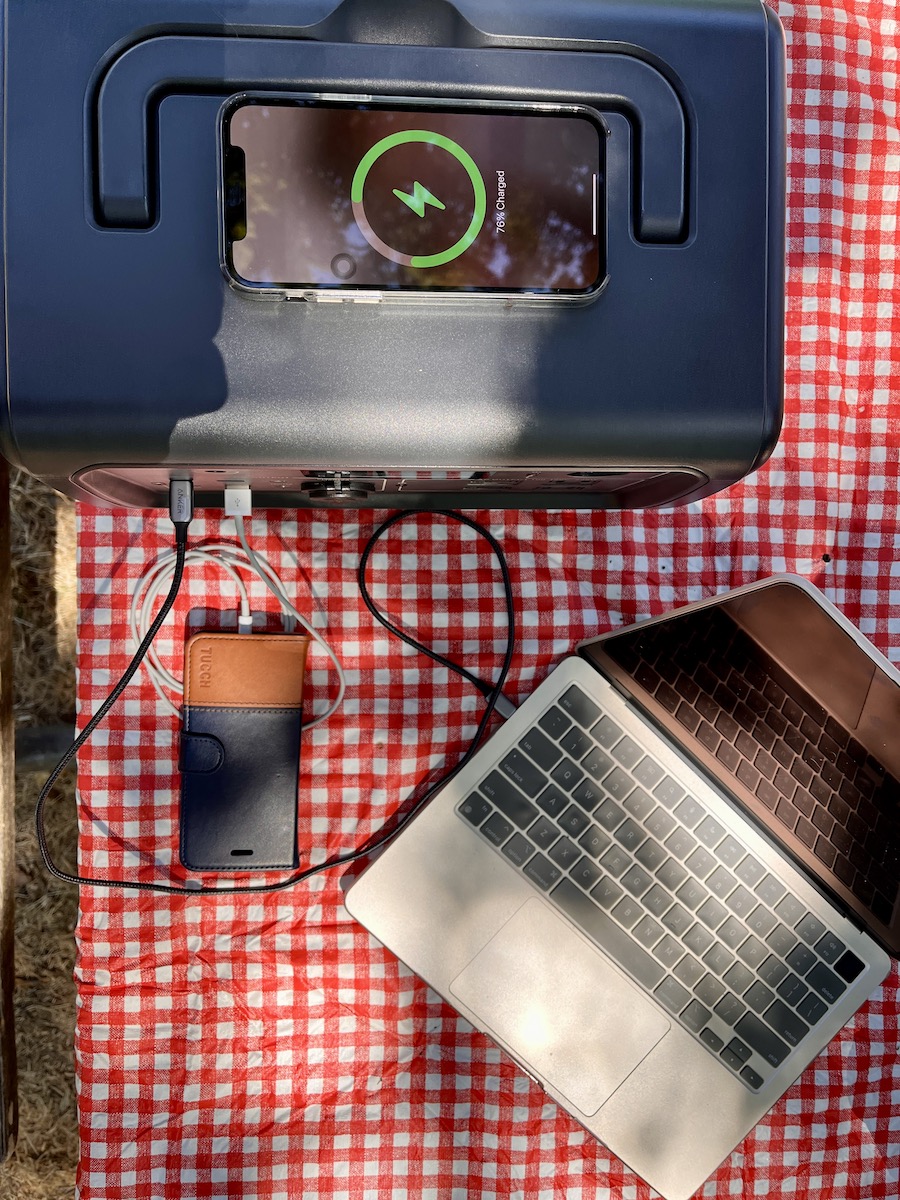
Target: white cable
[(275, 588), (232, 560)]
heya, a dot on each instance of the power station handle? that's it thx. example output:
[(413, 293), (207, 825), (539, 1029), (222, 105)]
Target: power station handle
[(129, 92)]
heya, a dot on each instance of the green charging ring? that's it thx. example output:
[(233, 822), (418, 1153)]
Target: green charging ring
[(462, 157)]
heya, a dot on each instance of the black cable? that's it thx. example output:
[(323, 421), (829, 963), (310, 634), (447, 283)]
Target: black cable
[(485, 688), (393, 825)]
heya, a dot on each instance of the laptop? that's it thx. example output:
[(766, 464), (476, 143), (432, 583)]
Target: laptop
[(671, 877)]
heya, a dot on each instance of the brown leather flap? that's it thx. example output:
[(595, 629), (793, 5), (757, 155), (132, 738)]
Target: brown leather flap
[(249, 670)]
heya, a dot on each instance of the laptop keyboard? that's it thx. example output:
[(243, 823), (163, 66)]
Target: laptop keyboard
[(649, 874), (816, 779)]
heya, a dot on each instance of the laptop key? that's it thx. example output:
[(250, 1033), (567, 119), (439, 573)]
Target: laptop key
[(630, 834), (496, 829), (692, 893), (628, 752), (523, 773), (781, 940), (647, 932), (594, 841), (710, 832), (732, 933), (543, 833), (711, 913), (648, 772), (621, 947), (709, 990), (695, 1016), (678, 920), (730, 1009), (772, 971), (730, 851), (514, 806), (668, 792), (689, 812), (752, 1078), (475, 808), (585, 874), (564, 853), (671, 874), (721, 883), (812, 1009), (573, 821), (761, 921), (672, 995), (758, 997), (701, 862), (769, 890), (790, 910), (636, 880), (760, 1038), (597, 764), (786, 1023), (737, 1050), (607, 732), (639, 804), (542, 872), (698, 939), (552, 801), (627, 911), (650, 855), (800, 959), (711, 1039), (657, 900), (750, 871), (540, 748), (680, 843), (752, 952), (848, 966), (555, 722), (689, 971), (616, 861), (609, 815), (660, 823), (810, 928), (618, 784), (566, 774), (588, 795), (791, 989), (577, 705), (738, 978), (576, 744), (741, 901), (518, 849), (668, 951), (824, 981), (607, 892), (718, 958)]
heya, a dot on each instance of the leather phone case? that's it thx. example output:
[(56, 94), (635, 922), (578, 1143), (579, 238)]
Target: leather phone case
[(240, 751)]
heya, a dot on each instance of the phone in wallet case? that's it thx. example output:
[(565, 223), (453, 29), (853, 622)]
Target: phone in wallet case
[(240, 751)]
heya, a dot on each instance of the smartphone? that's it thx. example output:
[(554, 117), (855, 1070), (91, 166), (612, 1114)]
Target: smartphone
[(355, 197)]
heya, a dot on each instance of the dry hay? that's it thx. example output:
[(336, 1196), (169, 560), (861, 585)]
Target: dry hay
[(42, 1166)]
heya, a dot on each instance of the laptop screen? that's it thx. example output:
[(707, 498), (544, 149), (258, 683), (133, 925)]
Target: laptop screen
[(789, 712)]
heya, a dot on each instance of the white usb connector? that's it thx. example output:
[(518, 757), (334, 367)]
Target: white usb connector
[(238, 500)]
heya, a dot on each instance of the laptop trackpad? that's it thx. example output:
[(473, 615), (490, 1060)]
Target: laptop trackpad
[(559, 1006)]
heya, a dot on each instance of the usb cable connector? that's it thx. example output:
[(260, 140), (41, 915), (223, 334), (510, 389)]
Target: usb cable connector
[(238, 500), (181, 506)]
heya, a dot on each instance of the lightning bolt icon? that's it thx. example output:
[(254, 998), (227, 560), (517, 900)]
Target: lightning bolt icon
[(418, 198)]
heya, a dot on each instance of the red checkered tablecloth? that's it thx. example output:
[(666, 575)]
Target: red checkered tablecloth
[(264, 1046)]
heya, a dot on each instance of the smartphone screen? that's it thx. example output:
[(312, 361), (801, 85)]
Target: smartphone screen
[(351, 195)]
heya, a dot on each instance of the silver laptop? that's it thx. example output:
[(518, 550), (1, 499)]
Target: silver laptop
[(672, 876)]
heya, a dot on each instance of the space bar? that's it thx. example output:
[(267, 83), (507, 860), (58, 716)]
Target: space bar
[(608, 936)]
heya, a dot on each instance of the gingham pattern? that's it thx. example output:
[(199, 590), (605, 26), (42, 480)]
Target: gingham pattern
[(264, 1047)]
